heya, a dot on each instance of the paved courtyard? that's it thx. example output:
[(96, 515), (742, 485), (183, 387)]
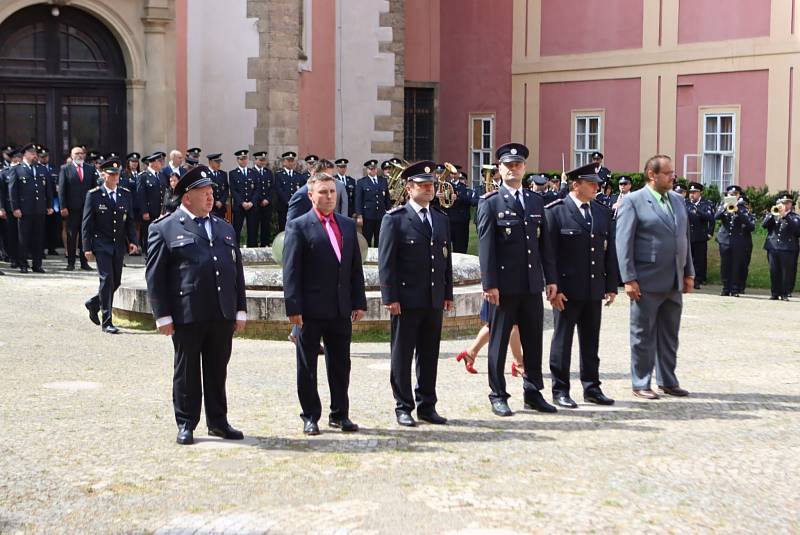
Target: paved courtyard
[(88, 436)]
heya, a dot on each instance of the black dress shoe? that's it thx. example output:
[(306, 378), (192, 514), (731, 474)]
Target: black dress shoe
[(725, 293), (52, 252), (773, 298), (501, 408), (563, 400), (535, 401), (86, 267), (227, 432), (432, 417), (23, 269), (345, 424), (405, 419), (70, 267), (185, 436), (597, 397), (110, 329), (784, 298), (38, 270), (93, 313), (311, 428), (734, 294), (698, 286)]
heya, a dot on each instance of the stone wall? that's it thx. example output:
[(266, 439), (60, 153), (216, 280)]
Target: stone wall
[(394, 94)]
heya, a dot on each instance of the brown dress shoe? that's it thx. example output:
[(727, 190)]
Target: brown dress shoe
[(673, 391), (645, 394)]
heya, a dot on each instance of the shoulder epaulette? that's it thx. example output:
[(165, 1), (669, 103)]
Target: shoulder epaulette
[(396, 210), (554, 203), (596, 203), (123, 188), (162, 216), (489, 194), (94, 189)]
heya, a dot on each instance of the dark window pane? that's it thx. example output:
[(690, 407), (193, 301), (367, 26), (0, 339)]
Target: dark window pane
[(418, 124)]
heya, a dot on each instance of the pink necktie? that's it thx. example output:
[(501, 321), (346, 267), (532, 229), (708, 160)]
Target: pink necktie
[(332, 238), (80, 172)]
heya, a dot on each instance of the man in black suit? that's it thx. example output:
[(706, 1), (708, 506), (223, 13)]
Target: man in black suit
[(31, 202), (701, 229), (372, 202), (220, 185), (323, 286), (108, 230), (416, 275), (582, 235), (246, 194), (53, 233), (174, 166), (735, 239), (516, 257), (11, 225), (195, 283), (603, 172), (74, 181), (265, 184), (149, 195), (349, 184), (283, 187)]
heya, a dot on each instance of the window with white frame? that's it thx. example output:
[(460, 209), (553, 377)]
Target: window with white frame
[(719, 149), (481, 145), (587, 138)]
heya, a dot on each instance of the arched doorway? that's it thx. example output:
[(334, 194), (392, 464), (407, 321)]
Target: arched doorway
[(62, 81)]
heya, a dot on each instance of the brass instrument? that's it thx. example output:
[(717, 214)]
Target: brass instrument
[(775, 211), (731, 203), (731, 208), (397, 187), (448, 192), (488, 184)]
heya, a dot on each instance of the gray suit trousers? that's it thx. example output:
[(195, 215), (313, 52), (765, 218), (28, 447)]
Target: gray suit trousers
[(654, 325)]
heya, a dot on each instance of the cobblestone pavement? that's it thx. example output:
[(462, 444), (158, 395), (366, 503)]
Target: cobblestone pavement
[(88, 436)]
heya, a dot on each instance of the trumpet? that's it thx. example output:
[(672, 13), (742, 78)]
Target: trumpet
[(448, 192), (730, 208), (488, 184), (775, 211)]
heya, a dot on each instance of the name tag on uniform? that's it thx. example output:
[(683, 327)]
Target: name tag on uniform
[(102, 207)]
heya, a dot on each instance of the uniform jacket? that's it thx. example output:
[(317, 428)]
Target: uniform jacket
[(245, 187), (350, 185), (149, 195), (415, 268), (372, 201), (652, 246), (516, 254), (29, 191), (283, 187), (265, 184), (586, 256), (701, 220), (783, 233), (108, 227), (221, 186), (315, 283), (190, 277)]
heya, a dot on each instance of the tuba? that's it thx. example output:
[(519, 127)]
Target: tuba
[(488, 184), (397, 189), (448, 192)]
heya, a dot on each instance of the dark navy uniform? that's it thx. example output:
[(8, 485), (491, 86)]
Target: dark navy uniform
[(735, 239), (107, 230), (551, 195), (782, 248), (9, 225), (586, 265), (265, 184), (349, 186), (416, 270), (30, 193), (245, 187), (701, 229), (460, 214), (221, 192), (516, 257), (53, 240), (129, 180), (149, 196), (197, 283), (372, 202), (283, 189)]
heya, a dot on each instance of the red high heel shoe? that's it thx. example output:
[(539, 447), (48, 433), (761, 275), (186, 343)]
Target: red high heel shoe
[(467, 364), (516, 371)]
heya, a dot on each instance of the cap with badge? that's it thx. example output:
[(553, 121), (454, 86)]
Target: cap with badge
[(110, 156), (156, 156), (112, 166), (289, 155), (311, 158), (624, 180), (260, 155), (43, 151), (734, 189), (439, 168), (198, 177), (597, 155), (679, 188), (585, 172), (30, 147), (419, 172), (512, 152), (386, 164), (695, 186), (371, 164), (539, 180), (133, 157), (785, 197), (241, 153), (215, 157), (195, 151), (341, 162)]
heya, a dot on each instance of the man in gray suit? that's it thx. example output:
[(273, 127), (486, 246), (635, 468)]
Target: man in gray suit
[(655, 263)]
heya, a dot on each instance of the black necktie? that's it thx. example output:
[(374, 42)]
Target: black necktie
[(425, 220), (587, 213), (518, 204), (113, 195), (201, 221)]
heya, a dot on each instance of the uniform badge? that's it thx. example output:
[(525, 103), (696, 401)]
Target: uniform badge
[(538, 232), (508, 231), (500, 215), (233, 255), (445, 252), (102, 207), (124, 217), (605, 245), (179, 237)]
